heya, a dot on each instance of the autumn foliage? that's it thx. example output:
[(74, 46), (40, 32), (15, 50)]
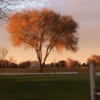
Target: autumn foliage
[(43, 28), (95, 59)]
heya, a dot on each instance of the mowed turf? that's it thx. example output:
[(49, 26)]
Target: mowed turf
[(45, 87)]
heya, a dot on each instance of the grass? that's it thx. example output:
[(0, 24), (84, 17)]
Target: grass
[(45, 87), (35, 70)]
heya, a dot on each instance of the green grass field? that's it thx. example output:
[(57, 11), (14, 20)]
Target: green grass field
[(45, 87)]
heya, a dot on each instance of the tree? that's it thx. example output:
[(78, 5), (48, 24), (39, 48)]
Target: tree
[(70, 62), (73, 63), (3, 53), (25, 64), (7, 6), (77, 64), (95, 59), (45, 28), (62, 63)]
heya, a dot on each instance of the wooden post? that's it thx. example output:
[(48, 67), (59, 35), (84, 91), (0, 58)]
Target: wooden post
[(92, 81)]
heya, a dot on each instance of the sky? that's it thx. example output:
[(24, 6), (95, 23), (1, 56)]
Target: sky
[(85, 12)]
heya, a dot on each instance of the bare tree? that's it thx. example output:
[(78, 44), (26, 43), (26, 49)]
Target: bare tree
[(3, 53), (7, 6)]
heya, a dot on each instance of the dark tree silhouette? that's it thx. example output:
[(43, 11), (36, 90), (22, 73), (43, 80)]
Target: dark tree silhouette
[(7, 6)]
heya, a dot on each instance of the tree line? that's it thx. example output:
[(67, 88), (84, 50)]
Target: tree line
[(62, 64)]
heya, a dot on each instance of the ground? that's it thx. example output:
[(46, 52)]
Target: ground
[(45, 87)]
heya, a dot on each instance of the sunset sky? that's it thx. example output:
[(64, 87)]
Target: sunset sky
[(87, 15)]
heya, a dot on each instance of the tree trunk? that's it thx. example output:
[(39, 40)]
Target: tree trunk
[(41, 67), (2, 68)]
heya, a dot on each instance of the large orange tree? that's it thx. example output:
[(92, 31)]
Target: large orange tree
[(44, 28)]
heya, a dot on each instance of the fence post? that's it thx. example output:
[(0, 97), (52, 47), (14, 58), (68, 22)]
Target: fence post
[(92, 81)]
